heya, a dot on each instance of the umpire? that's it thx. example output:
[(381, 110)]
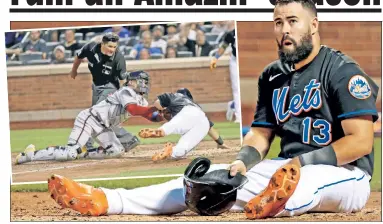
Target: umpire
[(107, 66)]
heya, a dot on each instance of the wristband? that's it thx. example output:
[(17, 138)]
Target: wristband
[(217, 55), (323, 156), (219, 141), (250, 156)]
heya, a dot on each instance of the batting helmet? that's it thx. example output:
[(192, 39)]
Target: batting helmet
[(185, 92), (143, 81), (210, 193)]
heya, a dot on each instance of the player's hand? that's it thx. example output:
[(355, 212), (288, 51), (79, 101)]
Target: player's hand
[(213, 63), (237, 167), (73, 74)]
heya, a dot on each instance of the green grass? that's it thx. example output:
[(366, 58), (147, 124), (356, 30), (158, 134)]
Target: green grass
[(42, 138)]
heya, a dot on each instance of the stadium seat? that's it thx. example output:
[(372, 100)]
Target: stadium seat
[(51, 46), (39, 62), (14, 63), (184, 54), (68, 54), (90, 35), (30, 56), (128, 57), (211, 37), (207, 28), (123, 41), (156, 56), (78, 36)]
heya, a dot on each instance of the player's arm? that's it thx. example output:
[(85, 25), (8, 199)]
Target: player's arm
[(81, 54), (257, 141), (221, 50), (121, 68), (355, 108), (150, 113)]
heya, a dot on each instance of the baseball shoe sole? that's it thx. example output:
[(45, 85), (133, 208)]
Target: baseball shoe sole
[(80, 197), (165, 154), (272, 200), (150, 133)]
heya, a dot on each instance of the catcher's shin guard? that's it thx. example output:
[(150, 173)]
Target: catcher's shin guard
[(165, 154), (151, 133), (272, 200), (80, 197)]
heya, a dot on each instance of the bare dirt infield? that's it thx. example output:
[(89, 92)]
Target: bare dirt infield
[(33, 206)]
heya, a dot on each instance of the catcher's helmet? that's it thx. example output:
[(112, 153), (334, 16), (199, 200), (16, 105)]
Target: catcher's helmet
[(185, 92), (210, 193), (143, 81)]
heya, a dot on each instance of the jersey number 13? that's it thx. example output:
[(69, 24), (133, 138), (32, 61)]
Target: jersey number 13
[(324, 137)]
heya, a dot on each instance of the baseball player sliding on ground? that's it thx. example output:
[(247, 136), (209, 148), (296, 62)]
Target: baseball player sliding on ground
[(229, 40), (321, 104), (98, 122), (186, 118)]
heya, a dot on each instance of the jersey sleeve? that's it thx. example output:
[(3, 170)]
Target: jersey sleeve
[(264, 114), (229, 38), (165, 99), (126, 97), (83, 52), (121, 67), (353, 92)]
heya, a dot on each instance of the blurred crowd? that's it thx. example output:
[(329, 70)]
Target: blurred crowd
[(136, 42)]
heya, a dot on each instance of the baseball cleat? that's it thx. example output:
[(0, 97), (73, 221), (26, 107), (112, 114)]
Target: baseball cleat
[(273, 199), (80, 197), (165, 154), (150, 133), (26, 155)]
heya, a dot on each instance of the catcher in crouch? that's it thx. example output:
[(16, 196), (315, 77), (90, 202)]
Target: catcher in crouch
[(185, 117), (98, 121)]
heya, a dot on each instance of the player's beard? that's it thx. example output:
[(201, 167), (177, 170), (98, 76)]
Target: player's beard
[(299, 53)]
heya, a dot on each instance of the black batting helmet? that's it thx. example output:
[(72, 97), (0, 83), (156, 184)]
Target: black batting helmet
[(210, 193), (185, 92)]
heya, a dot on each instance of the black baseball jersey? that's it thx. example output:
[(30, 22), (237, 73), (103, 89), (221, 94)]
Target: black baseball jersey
[(230, 39), (174, 102), (305, 107), (104, 69)]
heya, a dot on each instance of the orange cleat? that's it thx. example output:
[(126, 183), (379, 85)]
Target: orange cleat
[(165, 154), (273, 199), (80, 197), (150, 133)]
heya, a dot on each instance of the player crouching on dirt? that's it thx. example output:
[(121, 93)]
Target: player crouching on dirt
[(97, 122), (186, 118)]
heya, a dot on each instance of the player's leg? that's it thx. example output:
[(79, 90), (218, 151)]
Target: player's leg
[(235, 87), (329, 189), (127, 139), (192, 123), (110, 146), (83, 127), (159, 199), (99, 93)]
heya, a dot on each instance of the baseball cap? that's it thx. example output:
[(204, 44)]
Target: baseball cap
[(158, 27), (60, 47)]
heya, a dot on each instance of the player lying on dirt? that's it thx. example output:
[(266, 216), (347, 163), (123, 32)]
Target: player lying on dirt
[(322, 106), (97, 122), (186, 118)]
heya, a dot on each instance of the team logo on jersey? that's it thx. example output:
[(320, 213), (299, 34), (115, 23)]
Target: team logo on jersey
[(359, 88), (310, 100)]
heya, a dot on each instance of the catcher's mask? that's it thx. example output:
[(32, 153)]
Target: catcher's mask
[(210, 193), (185, 92), (143, 81)]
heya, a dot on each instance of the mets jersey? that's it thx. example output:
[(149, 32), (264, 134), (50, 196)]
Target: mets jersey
[(305, 107)]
